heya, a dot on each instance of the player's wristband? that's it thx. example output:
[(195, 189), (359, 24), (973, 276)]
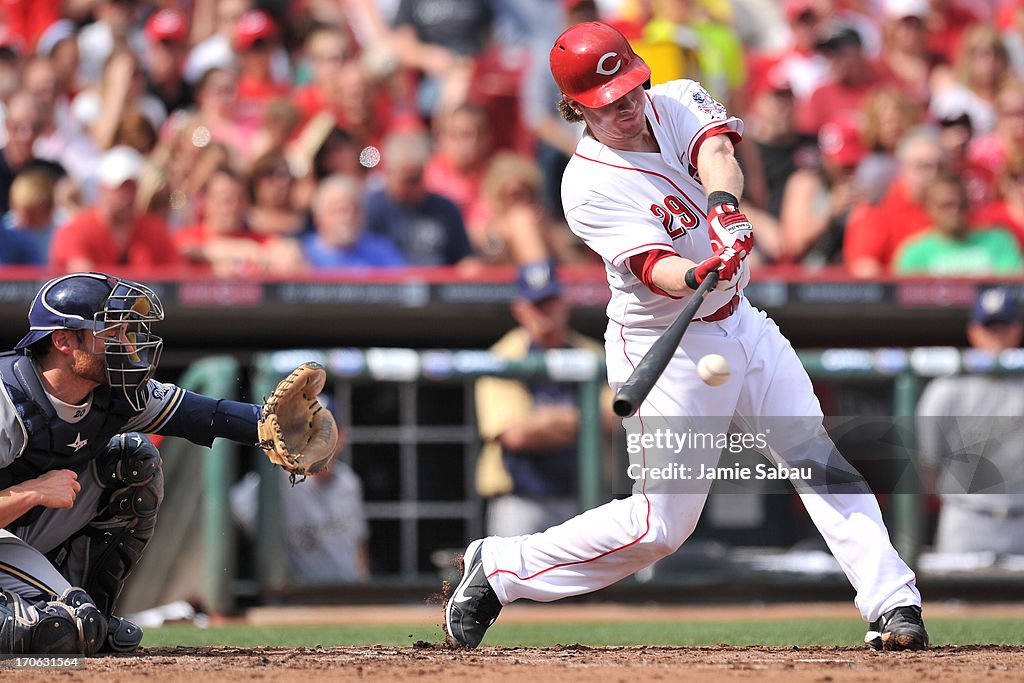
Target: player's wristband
[(721, 197), (690, 278)]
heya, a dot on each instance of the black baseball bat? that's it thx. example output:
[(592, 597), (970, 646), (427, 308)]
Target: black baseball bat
[(631, 394)]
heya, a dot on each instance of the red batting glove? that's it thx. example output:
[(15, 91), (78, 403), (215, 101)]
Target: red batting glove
[(728, 227), (727, 262)]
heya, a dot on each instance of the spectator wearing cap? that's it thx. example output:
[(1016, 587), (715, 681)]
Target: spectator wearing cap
[(167, 49), (874, 232), (973, 82), (817, 202), (852, 79), (59, 43), (255, 40), (951, 246), (969, 424), (116, 24), (905, 54), (215, 50), (340, 239), (956, 135), (110, 235), (527, 468), (800, 64), (427, 227), (23, 124)]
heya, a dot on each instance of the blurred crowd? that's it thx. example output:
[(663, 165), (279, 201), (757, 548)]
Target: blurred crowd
[(284, 137)]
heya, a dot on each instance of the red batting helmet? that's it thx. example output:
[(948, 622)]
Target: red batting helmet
[(595, 65)]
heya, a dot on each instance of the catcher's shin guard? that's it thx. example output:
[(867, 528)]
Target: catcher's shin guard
[(113, 541), (69, 625)]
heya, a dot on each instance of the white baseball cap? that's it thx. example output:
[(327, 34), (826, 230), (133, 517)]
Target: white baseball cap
[(119, 165), (900, 9)]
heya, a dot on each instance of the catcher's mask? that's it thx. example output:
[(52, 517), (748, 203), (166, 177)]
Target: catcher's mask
[(119, 313)]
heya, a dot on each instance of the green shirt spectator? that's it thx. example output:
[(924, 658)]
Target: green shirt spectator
[(951, 246), (991, 251)]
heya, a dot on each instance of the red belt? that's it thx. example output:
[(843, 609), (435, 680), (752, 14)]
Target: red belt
[(723, 312)]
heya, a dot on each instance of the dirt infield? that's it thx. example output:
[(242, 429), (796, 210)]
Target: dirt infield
[(561, 663)]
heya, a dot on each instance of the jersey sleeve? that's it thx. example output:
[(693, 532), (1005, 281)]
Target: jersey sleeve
[(161, 402), (14, 436), (699, 118), (173, 411), (616, 231)]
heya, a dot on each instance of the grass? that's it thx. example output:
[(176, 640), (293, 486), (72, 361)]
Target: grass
[(961, 631)]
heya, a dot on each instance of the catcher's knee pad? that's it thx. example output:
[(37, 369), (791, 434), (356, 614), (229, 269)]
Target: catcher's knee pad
[(130, 472), (69, 625)]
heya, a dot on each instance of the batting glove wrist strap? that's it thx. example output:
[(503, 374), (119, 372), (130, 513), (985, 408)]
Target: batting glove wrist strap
[(690, 278), (721, 197)]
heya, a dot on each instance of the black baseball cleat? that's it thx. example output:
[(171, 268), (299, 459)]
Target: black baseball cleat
[(474, 606), (901, 628), (122, 635)]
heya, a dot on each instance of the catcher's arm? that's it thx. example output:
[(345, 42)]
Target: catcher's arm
[(295, 431)]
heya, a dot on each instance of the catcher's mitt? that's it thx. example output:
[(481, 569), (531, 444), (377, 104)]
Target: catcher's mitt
[(294, 429)]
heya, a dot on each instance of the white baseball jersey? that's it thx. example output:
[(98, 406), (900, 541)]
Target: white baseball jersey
[(626, 203)]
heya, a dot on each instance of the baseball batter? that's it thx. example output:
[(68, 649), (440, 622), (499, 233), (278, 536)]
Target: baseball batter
[(653, 189)]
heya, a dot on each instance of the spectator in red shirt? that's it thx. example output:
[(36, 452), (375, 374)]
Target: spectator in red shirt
[(255, 41), (875, 232), (457, 166), (111, 235), (328, 49), (1008, 208), (222, 240), (853, 79), (167, 49)]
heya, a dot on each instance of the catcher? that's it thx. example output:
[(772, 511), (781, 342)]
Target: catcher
[(80, 484)]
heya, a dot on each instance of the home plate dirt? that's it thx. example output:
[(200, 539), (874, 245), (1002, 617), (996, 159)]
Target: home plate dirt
[(561, 663)]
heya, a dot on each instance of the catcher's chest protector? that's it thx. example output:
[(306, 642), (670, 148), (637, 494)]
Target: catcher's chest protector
[(52, 442)]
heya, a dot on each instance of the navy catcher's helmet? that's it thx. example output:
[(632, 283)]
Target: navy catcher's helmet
[(119, 313)]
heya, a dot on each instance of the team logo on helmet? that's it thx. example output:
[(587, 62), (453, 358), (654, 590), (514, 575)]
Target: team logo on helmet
[(601, 69)]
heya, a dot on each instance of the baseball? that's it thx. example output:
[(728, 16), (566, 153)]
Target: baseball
[(713, 369)]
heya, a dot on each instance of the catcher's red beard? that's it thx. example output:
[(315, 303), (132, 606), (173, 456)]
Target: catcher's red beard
[(89, 366)]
